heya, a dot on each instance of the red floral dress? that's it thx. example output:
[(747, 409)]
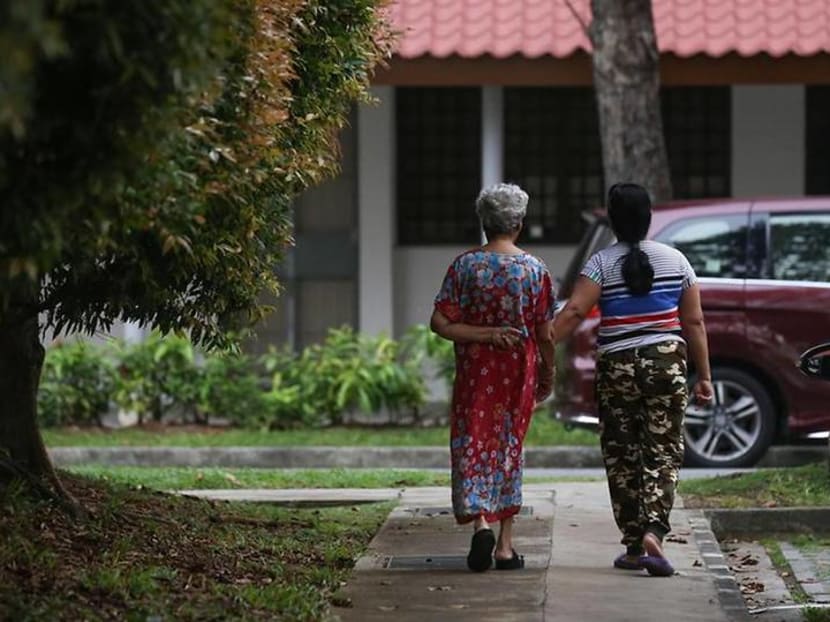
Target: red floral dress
[(494, 390)]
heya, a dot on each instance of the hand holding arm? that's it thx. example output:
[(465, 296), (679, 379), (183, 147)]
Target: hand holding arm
[(503, 337)]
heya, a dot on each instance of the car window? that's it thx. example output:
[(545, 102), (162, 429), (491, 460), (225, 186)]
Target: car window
[(800, 247), (597, 237), (714, 245)]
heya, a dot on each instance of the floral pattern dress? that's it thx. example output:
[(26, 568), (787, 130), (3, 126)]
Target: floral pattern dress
[(494, 390)]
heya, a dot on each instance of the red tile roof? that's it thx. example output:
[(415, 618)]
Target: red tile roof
[(533, 28)]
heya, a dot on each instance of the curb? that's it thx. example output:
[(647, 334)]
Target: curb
[(557, 457), (768, 520), (729, 592), (308, 457)]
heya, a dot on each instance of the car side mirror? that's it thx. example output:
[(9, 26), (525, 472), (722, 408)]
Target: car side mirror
[(815, 362)]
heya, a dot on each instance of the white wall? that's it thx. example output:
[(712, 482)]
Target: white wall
[(419, 271), (376, 212), (767, 140)]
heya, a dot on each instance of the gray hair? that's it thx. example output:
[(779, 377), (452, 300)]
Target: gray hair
[(501, 208)]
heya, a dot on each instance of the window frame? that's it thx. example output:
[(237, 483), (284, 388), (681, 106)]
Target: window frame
[(769, 268)]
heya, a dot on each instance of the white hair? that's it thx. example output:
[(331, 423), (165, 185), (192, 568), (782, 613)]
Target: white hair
[(501, 208)]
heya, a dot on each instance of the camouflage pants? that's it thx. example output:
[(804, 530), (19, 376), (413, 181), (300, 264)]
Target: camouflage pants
[(642, 397)]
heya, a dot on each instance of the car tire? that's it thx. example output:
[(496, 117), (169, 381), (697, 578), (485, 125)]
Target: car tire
[(736, 429)]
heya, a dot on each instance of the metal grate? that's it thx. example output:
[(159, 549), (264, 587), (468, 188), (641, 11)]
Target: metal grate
[(817, 139), (552, 149), (697, 125), (526, 510), (438, 164), (423, 562)]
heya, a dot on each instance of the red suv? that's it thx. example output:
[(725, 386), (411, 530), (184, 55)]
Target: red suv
[(764, 270)]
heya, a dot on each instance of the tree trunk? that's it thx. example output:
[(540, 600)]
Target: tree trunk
[(627, 86), (21, 361)]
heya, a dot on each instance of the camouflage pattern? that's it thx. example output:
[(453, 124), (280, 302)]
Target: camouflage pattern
[(642, 396)]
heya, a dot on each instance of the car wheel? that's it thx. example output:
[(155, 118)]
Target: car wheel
[(736, 428)]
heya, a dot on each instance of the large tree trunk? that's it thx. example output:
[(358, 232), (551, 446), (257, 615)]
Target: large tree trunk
[(627, 84), (21, 361)]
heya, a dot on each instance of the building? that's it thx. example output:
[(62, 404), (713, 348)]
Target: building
[(481, 91)]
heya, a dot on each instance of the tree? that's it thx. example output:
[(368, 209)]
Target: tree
[(148, 159), (627, 86)]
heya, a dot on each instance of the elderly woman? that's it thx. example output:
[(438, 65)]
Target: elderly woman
[(496, 304)]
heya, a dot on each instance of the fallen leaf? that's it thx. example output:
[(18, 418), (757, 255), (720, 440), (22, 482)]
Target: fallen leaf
[(771, 504), (387, 607), (697, 563), (459, 606), (677, 539)]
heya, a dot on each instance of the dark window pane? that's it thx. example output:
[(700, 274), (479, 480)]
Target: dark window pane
[(800, 247), (715, 246), (552, 150), (818, 140), (697, 126), (438, 164)]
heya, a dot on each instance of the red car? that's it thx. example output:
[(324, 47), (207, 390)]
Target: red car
[(764, 270)]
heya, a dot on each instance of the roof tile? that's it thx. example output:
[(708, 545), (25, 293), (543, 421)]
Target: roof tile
[(531, 28)]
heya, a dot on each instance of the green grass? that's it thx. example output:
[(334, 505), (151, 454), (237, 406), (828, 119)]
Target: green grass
[(544, 431), (781, 565), (807, 485), (140, 555), (816, 614), (181, 478), (178, 478)]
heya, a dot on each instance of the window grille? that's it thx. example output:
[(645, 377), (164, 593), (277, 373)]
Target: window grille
[(817, 140), (438, 164), (552, 150), (697, 124)]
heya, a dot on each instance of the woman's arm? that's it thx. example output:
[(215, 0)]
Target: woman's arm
[(457, 332), (584, 297), (694, 331), (546, 340)]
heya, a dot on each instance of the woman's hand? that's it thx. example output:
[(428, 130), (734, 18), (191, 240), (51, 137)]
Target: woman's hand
[(505, 337), (703, 392), (544, 383)]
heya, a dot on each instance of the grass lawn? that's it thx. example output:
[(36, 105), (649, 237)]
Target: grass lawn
[(172, 478), (807, 485), (141, 555), (544, 431), (181, 478)]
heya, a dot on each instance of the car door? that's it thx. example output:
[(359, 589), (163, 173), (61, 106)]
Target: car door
[(788, 307)]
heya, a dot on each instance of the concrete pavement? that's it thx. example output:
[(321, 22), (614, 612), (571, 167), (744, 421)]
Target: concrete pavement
[(415, 569)]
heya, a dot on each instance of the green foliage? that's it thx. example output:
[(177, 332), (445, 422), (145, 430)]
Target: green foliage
[(347, 372), (157, 374), (77, 385), (151, 151), (230, 387), (422, 347)]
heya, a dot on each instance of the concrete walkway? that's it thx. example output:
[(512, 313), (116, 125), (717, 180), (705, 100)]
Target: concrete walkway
[(415, 568)]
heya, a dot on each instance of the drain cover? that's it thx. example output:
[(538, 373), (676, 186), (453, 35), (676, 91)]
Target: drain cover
[(421, 562), (526, 510)]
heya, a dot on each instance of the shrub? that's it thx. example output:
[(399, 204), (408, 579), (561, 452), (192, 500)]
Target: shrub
[(158, 375), (77, 385), (230, 387)]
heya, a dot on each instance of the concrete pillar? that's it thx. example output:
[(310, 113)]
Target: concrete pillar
[(767, 140), (376, 212), (492, 138)]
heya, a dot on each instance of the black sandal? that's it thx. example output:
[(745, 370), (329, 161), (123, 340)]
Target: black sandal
[(480, 557), (517, 562)]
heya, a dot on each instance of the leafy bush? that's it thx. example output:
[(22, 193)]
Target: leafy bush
[(165, 377), (76, 386), (347, 372), (157, 375)]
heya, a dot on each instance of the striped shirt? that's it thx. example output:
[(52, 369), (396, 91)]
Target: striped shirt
[(630, 321)]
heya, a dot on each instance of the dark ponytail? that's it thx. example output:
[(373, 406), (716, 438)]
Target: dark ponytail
[(629, 209)]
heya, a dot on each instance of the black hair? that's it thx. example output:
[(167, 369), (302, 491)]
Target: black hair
[(629, 210)]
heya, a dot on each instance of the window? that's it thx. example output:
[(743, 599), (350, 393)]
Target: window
[(552, 150), (817, 140), (438, 164), (715, 246), (800, 247), (697, 127)]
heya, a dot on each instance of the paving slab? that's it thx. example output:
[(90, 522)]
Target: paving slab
[(434, 583), (415, 567)]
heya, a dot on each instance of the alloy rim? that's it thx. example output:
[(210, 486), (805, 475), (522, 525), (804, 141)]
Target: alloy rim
[(726, 429)]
